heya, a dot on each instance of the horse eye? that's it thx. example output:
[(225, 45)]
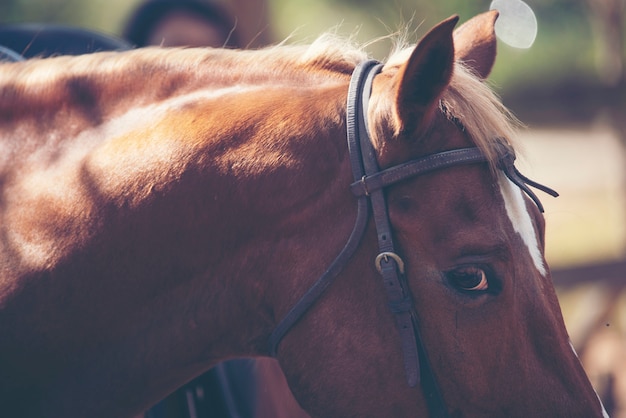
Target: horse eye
[(469, 278)]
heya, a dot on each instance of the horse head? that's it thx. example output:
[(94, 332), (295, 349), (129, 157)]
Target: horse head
[(489, 339)]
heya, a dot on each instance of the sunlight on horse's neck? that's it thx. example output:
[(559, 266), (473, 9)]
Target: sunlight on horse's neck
[(182, 116), (157, 185)]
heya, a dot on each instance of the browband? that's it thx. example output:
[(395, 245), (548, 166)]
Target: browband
[(506, 162)]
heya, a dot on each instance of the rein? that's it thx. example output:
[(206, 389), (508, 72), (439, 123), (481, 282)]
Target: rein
[(369, 183)]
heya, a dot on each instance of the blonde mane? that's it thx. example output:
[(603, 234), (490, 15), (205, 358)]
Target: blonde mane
[(328, 56), (477, 106), (468, 98)]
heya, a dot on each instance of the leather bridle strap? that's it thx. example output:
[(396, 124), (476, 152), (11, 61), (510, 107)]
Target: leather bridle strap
[(388, 262), (381, 179), (369, 184), (506, 162), (320, 286)]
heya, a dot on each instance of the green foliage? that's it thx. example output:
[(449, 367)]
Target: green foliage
[(103, 15), (563, 49)]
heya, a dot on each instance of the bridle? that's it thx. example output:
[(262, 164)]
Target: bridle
[(369, 183)]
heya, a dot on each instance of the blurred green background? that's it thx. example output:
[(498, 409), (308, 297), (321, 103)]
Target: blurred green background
[(569, 89), (566, 43)]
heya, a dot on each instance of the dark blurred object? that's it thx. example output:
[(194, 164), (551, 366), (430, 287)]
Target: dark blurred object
[(226, 391), (564, 101), (612, 273), (44, 40), (181, 23), (8, 55)]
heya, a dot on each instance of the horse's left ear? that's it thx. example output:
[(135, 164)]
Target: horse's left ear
[(475, 43), (424, 77)]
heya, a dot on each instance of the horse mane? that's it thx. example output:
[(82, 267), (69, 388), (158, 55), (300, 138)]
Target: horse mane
[(468, 99), (480, 110), (330, 57), (326, 54)]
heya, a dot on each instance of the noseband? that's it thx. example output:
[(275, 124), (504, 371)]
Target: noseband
[(369, 183)]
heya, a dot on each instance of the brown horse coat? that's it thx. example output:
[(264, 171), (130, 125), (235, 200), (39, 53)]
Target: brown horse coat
[(161, 210)]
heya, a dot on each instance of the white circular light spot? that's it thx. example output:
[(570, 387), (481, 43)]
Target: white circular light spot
[(517, 24)]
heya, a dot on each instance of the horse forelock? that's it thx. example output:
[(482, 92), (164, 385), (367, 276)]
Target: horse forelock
[(479, 109)]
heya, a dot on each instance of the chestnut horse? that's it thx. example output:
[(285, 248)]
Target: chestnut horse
[(164, 210)]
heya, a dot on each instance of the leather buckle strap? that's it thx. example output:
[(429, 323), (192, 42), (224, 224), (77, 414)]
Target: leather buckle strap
[(385, 256), (391, 270), (416, 365)]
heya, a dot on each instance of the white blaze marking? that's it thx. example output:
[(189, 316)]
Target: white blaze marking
[(522, 224), (520, 218)]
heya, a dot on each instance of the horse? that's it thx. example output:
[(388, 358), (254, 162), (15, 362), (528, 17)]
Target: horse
[(163, 210)]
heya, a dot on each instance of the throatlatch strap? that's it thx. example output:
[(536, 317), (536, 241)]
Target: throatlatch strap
[(360, 225)]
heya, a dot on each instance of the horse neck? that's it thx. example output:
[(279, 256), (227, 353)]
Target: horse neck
[(196, 218), (96, 87)]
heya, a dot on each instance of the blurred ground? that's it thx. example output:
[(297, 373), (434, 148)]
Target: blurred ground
[(586, 226), (586, 165)]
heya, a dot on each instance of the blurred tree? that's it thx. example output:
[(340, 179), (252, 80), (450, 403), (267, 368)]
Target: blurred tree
[(104, 15), (608, 19)]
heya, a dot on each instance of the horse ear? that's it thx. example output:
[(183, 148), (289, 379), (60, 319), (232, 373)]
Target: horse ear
[(423, 78), (475, 43)]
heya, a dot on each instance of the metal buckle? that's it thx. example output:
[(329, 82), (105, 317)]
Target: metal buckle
[(385, 256), (365, 190)]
